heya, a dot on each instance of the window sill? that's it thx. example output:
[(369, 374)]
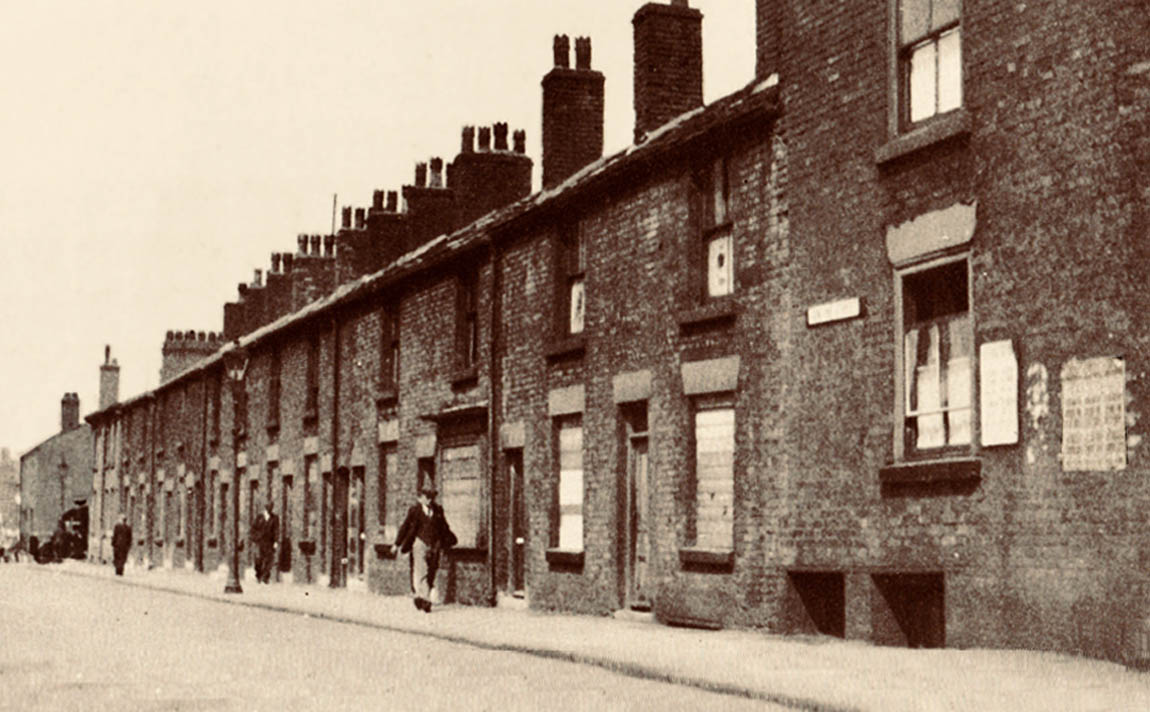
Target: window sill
[(386, 394), (464, 376), (307, 548), (692, 557), (943, 470), (565, 558), (715, 310), (212, 543), (572, 346), (940, 128), (384, 551), (468, 553)]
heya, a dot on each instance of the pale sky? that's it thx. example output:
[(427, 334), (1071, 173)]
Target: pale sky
[(152, 154)]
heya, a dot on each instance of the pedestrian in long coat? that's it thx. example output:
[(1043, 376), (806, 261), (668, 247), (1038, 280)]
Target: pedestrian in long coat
[(265, 529), (425, 534), (121, 543)]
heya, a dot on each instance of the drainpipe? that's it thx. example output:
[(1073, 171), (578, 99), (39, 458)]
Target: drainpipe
[(203, 476), (494, 384), (335, 348)]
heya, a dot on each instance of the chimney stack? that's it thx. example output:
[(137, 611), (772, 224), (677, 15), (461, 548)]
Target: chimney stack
[(468, 140), (258, 278), (109, 380), (360, 219), (301, 240), (328, 245), (288, 260), (276, 257), (315, 245), (484, 138), (392, 201), (500, 131), (345, 222), (572, 112), (377, 200), (69, 412), (420, 175), (436, 173), (668, 63)]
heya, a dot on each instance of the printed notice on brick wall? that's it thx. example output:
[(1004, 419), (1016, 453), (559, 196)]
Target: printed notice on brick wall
[(998, 393), (1094, 414)]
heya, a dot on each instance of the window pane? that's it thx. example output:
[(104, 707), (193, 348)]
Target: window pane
[(719, 192), (571, 487), (577, 307), (571, 532), (914, 20), (950, 71), (922, 81), (720, 268), (714, 478), (944, 13)]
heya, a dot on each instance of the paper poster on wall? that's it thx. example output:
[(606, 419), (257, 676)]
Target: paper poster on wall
[(998, 393), (1094, 414)]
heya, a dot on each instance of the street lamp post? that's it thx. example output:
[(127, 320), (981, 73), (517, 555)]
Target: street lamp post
[(235, 364)]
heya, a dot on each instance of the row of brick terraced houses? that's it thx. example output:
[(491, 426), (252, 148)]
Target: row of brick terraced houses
[(860, 349)]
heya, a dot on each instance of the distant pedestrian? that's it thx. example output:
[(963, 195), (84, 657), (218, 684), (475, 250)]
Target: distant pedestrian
[(265, 529), (121, 543), (425, 534)]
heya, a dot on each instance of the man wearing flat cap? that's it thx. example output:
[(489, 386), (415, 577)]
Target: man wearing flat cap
[(425, 534)]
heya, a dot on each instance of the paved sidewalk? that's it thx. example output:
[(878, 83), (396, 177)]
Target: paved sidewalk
[(800, 672)]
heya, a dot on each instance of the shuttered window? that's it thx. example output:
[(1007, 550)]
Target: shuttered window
[(570, 495), (460, 493), (714, 475)]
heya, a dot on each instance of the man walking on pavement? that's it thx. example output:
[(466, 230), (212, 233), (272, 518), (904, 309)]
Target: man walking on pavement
[(425, 534), (265, 529), (121, 543)]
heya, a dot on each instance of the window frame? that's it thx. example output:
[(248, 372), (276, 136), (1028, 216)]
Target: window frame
[(275, 390), (899, 73), (389, 348), (481, 521), (467, 319), (559, 424), (903, 452), (311, 398), (711, 227), (699, 404)]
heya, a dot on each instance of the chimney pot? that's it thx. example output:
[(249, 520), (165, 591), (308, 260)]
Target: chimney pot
[(436, 173), (258, 278), (289, 259), (484, 138), (468, 141), (500, 130), (242, 288), (562, 49), (167, 337), (315, 245), (420, 175), (359, 219), (582, 52), (346, 215), (276, 258), (392, 201), (191, 335), (201, 336), (377, 200), (520, 140), (301, 240), (107, 352), (328, 245)]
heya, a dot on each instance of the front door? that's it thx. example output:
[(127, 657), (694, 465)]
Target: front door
[(338, 538), (356, 536), (638, 555), (518, 584)]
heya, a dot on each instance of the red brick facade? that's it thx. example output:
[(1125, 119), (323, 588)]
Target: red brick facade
[(719, 315)]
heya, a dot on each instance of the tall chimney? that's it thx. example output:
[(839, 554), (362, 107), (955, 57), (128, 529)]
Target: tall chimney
[(109, 380), (572, 112), (668, 63), (69, 412)]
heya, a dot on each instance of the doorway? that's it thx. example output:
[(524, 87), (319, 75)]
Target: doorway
[(637, 553), (517, 575), (339, 529), (356, 534)]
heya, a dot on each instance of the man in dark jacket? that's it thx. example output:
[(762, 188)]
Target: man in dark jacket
[(121, 543), (425, 534), (265, 530)]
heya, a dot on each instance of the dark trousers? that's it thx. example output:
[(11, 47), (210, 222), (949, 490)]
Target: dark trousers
[(118, 560), (265, 557)]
